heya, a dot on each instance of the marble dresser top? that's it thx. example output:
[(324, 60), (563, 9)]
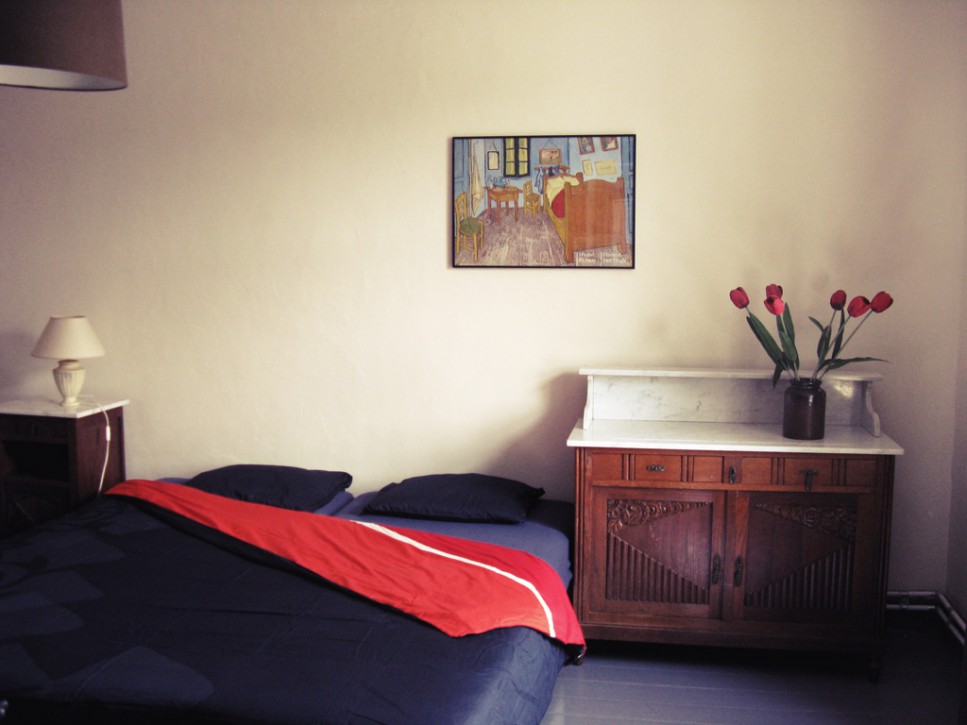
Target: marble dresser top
[(702, 409), (51, 409)]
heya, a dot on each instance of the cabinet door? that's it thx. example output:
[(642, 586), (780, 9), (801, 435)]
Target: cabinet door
[(654, 553), (802, 557)]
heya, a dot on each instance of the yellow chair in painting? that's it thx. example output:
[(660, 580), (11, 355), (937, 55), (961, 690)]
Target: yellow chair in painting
[(532, 200), (468, 228)]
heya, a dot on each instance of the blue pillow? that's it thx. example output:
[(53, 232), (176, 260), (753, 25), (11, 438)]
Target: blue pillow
[(282, 486), (457, 497)]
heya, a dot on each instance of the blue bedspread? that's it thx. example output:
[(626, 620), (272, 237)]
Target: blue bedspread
[(111, 614)]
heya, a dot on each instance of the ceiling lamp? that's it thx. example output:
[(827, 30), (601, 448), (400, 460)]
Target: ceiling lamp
[(73, 45)]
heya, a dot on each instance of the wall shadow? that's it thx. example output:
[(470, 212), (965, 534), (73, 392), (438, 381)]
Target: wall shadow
[(540, 456)]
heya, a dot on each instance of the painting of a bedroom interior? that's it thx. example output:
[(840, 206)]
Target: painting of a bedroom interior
[(544, 201)]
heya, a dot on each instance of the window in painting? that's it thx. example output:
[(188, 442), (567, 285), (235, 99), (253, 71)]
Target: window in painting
[(517, 156)]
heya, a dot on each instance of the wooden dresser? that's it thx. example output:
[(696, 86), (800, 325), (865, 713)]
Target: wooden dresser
[(698, 523)]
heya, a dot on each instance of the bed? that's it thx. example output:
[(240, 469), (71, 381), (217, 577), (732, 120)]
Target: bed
[(586, 214), (129, 610)]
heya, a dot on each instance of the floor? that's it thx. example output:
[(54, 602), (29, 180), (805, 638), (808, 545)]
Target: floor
[(531, 241), (623, 683)]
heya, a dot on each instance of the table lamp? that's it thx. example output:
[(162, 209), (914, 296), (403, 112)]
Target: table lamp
[(68, 339)]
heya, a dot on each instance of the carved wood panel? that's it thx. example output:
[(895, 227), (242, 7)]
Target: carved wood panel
[(801, 553), (647, 559)]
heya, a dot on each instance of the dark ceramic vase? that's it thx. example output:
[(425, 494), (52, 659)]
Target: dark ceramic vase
[(804, 410)]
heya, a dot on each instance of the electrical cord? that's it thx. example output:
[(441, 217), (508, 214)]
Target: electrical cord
[(107, 448), (107, 443)]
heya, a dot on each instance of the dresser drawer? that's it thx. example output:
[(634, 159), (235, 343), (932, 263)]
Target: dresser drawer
[(657, 467), (33, 428), (627, 468), (807, 472), (860, 473), (707, 469), (753, 470), (635, 468)]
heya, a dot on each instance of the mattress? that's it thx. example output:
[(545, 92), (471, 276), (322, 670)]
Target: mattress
[(545, 533), (112, 613)]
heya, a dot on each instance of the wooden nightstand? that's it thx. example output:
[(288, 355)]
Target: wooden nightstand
[(52, 458)]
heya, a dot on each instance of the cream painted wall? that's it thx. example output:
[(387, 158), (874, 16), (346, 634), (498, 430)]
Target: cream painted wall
[(258, 226)]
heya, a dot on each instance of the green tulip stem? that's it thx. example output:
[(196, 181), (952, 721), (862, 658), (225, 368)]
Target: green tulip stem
[(856, 329), (846, 342)]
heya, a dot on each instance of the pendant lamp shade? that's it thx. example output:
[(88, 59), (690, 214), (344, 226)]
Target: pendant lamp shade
[(62, 44)]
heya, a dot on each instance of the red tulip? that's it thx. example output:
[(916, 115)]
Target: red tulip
[(739, 298), (783, 352), (881, 301), (858, 306), (775, 305)]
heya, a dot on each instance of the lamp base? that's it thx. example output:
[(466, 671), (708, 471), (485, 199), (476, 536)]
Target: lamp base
[(69, 377)]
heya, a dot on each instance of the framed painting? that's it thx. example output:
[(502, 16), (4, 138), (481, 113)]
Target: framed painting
[(545, 201), (550, 155), (609, 143)]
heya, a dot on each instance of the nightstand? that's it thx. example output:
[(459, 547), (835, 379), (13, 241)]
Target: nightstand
[(52, 458)]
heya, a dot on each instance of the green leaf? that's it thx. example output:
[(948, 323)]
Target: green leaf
[(789, 350), (765, 339), (838, 340), (787, 336), (834, 364), (776, 374), (787, 323), (823, 347)]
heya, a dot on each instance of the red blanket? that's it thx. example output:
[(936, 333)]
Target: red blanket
[(459, 586)]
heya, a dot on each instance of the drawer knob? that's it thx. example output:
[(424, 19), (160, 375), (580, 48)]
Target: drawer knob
[(656, 468)]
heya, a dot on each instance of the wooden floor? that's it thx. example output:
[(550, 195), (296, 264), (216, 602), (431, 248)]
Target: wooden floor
[(634, 683), (530, 240)]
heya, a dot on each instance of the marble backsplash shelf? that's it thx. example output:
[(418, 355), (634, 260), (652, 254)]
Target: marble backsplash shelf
[(696, 395)]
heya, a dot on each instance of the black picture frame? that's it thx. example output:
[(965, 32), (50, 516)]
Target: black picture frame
[(552, 201)]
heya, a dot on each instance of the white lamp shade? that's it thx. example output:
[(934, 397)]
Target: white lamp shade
[(68, 338), (62, 44)]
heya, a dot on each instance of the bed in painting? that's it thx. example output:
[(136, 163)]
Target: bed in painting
[(586, 214), (266, 595)]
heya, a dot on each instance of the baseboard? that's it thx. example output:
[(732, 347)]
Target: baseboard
[(926, 601)]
